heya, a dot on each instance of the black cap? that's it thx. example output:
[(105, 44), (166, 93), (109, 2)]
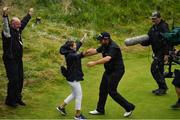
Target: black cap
[(155, 14), (103, 35)]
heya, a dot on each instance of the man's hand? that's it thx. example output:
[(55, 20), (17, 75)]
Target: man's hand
[(85, 53), (91, 63), (91, 51), (5, 11), (30, 12)]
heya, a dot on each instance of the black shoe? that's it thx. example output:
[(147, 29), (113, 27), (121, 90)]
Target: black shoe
[(61, 110), (176, 106), (14, 105), (159, 91), (155, 90), (81, 117), (21, 103)]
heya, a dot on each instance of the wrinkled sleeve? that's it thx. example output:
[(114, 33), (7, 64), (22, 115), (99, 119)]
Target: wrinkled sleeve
[(25, 21), (78, 44), (99, 49), (6, 28)]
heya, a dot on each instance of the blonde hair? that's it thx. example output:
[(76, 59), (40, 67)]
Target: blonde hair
[(15, 19)]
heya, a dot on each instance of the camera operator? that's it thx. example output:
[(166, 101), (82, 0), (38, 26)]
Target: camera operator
[(160, 50)]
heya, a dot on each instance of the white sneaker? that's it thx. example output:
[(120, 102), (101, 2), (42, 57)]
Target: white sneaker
[(95, 112), (127, 114)]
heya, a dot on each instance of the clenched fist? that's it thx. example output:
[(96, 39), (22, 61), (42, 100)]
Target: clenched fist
[(5, 11), (31, 10)]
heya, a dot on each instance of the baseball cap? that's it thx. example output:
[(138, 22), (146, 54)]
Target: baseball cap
[(103, 35), (155, 14)]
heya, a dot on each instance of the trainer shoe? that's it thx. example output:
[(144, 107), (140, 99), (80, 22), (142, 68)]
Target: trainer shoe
[(61, 110), (21, 103), (95, 112), (14, 105), (81, 117)]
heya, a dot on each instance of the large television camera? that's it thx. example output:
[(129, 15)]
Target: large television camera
[(174, 59), (172, 37)]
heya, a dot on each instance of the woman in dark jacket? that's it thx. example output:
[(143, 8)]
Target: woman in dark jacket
[(74, 76)]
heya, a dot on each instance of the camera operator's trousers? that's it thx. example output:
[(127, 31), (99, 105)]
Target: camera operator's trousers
[(157, 71), (109, 86), (14, 71), (176, 80)]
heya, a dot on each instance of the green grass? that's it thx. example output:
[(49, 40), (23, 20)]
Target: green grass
[(45, 88), (42, 97)]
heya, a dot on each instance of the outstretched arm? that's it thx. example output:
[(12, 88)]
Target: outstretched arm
[(6, 29), (90, 52), (26, 19), (112, 53), (79, 44), (100, 61), (84, 38)]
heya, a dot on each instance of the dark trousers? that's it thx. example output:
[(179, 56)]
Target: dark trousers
[(109, 86), (176, 80), (157, 71), (14, 71)]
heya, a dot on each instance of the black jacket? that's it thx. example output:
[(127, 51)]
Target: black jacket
[(116, 63), (13, 46), (159, 46), (73, 62)]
